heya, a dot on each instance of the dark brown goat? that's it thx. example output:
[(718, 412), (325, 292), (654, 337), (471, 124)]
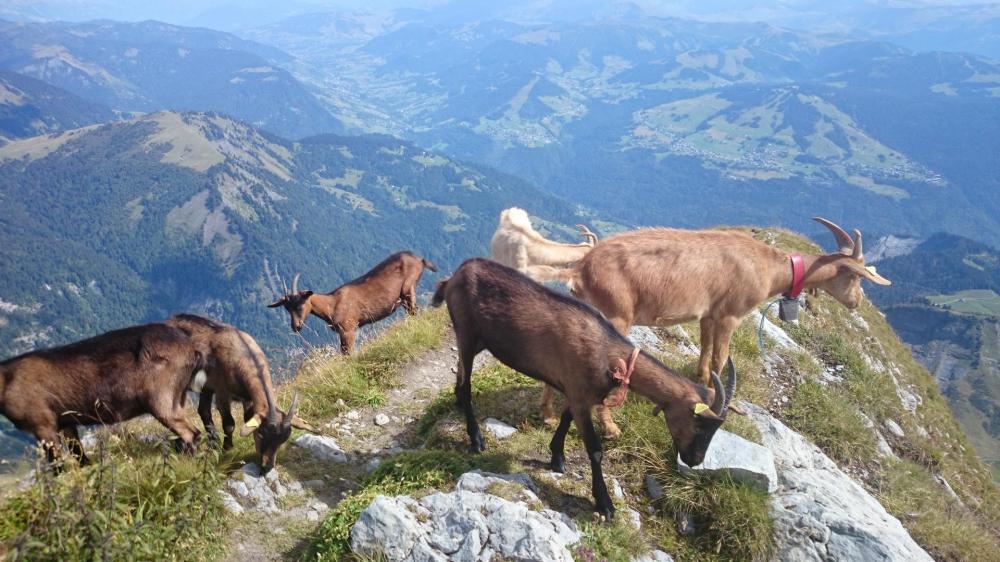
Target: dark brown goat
[(367, 299), (567, 344), (236, 368), (106, 379)]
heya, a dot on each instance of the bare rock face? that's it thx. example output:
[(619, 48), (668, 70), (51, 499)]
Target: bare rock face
[(322, 447), (742, 460), (468, 524), (819, 512)]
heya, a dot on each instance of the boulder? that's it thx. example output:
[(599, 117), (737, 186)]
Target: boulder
[(251, 490), (742, 460), (322, 447), (498, 429), (819, 512), (465, 525), (654, 556)]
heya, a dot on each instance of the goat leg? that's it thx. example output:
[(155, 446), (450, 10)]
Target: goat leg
[(75, 445), (558, 444), (205, 413), (595, 452), (548, 399), (463, 391), (225, 407)]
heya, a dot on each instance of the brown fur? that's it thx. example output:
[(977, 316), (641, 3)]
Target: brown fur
[(661, 277), (106, 379), (236, 368), (567, 344), (369, 298)]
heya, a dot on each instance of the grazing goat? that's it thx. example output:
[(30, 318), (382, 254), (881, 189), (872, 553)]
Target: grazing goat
[(367, 299), (235, 367), (663, 277), (516, 244), (568, 344), (106, 379)]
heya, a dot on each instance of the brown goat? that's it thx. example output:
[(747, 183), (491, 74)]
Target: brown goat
[(236, 368), (106, 379), (567, 344), (367, 299), (661, 277)]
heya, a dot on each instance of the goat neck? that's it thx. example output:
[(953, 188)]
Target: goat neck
[(323, 306), (818, 269)]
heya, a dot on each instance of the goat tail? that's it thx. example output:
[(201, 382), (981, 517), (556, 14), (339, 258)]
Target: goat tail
[(429, 265), (439, 293)]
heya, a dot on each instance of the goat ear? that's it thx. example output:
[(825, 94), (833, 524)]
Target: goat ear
[(251, 425), (278, 302), (869, 273), (306, 294), (300, 423)]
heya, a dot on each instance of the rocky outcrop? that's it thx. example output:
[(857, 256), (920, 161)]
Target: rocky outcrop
[(819, 512), (249, 489), (741, 460), (487, 516)]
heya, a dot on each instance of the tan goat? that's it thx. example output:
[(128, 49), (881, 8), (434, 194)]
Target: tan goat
[(518, 245), (662, 277)]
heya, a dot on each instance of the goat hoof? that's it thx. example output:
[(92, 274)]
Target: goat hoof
[(478, 444), (551, 422), (227, 444), (607, 513), (558, 465)]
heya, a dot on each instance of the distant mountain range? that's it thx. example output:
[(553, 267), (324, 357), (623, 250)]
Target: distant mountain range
[(767, 122), (195, 211), (945, 303), (30, 107), (151, 66)]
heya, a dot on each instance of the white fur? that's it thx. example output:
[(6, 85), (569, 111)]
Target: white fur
[(198, 381)]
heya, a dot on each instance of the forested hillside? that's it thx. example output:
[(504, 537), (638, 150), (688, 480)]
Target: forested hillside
[(199, 212)]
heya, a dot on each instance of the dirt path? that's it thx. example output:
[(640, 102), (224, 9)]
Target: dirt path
[(367, 436)]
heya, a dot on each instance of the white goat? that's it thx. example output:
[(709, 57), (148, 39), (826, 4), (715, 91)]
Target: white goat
[(516, 244)]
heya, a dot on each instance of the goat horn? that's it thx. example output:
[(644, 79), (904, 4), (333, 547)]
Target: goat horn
[(730, 383), (295, 283), (284, 287), (858, 253), (590, 236), (843, 239), (291, 410), (719, 404)]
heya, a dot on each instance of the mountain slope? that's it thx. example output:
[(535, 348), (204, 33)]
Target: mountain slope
[(150, 66), (780, 125), (199, 212), (30, 107), (945, 306)]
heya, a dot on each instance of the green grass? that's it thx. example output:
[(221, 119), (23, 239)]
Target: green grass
[(152, 505), (981, 302), (363, 378), (828, 417), (407, 473)]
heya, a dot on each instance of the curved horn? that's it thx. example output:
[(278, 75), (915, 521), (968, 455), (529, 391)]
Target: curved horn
[(586, 233), (730, 384), (858, 253), (287, 423), (843, 239), (295, 283), (719, 404)]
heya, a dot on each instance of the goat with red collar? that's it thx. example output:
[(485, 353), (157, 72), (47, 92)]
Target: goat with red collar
[(662, 277)]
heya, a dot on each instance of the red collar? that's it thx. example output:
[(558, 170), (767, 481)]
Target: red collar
[(798, 275), (621, 372)]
